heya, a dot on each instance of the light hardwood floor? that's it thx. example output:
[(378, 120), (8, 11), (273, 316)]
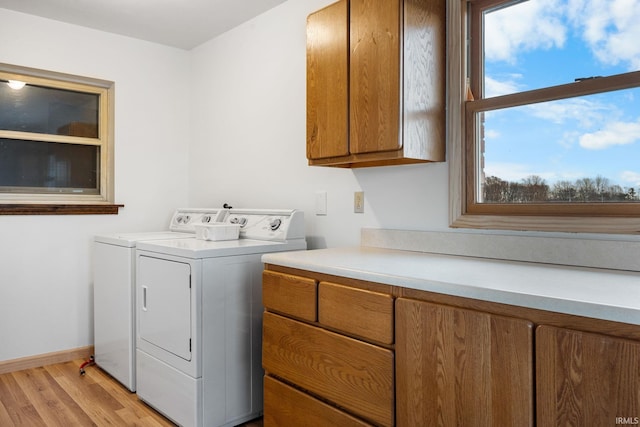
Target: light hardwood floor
[(57, 395)]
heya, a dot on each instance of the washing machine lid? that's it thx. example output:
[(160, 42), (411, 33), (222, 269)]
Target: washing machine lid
[(199, 249), (182, 225)]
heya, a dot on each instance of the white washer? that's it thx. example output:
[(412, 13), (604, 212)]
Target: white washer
[(114, 290), (200, 319)]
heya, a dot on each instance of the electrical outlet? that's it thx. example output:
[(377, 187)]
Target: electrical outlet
[(358, 202)]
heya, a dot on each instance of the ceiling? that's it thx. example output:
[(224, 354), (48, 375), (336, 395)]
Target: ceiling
[(183, 24)]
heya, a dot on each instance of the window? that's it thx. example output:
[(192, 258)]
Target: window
[(56, 143), (547, 131)]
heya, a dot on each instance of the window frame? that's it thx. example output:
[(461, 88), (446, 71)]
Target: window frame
[(465, 212), (67, 203)]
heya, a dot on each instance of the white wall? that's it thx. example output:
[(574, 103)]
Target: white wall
[(225, 123), (249, 139), (248, 146), (45, 276)]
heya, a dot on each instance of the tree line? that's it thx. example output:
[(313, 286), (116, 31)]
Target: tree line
[(535, 189)]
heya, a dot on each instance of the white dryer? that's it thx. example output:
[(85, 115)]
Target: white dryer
[(114, 290), (199, 312)]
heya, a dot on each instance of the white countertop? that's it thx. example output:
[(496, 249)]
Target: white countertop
[(597, 293)]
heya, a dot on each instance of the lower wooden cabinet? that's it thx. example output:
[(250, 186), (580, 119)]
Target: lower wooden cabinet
[(293, 296), (287, 406), (357, 312), (457, 367), (352, 374), (586, 379), (343, 352)]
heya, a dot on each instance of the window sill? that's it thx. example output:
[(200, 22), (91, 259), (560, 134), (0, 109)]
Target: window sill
[(58, 209)]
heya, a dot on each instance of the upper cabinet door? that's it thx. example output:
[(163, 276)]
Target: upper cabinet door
[(376, 83), (375, 76), (327, 82)]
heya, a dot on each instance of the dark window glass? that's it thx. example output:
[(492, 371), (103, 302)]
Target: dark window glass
[(46, 167), (48, 110)]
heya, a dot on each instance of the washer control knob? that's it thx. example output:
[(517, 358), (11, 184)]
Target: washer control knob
[(275, 224), (206, 219), (181, 219), (238, 220)]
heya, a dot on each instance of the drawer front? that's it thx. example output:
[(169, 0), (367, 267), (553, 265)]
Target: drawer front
[(291, 295), (355, 311), (353, 374), (287, 406)]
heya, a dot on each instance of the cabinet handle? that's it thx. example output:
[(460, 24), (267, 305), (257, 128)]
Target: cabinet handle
[(144, 298)]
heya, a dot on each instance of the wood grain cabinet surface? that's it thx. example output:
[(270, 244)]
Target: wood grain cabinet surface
[(586, 379), (459, 367), (352, 374), (374, 354), (292, 295), (376, 83), (358, 312), (285, 405)]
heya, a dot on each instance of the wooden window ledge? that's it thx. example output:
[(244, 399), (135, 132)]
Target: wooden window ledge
[(58, 209)]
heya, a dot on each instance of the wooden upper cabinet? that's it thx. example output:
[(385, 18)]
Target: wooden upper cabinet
[(376, 83), (374, 75), (327, 82)]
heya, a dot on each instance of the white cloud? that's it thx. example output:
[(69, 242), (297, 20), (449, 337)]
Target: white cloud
[(493, 87), (527, 26), (614, 133), (507, 171), (515, 172), (581, 110), (632, 178), (491, 134), (611, 28)]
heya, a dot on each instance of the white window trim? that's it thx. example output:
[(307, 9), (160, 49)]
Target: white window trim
[(458, 216)]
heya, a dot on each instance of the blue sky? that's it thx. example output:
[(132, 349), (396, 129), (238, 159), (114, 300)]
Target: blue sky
[(541, 43)]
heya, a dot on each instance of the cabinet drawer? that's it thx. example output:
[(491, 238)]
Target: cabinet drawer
[(354, 375), (292, 295), (287, 406), (355, 311)]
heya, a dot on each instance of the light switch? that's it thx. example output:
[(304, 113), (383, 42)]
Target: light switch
[(321, 202)]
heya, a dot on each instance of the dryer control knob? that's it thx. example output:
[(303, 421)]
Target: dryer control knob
[(275, 224)]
